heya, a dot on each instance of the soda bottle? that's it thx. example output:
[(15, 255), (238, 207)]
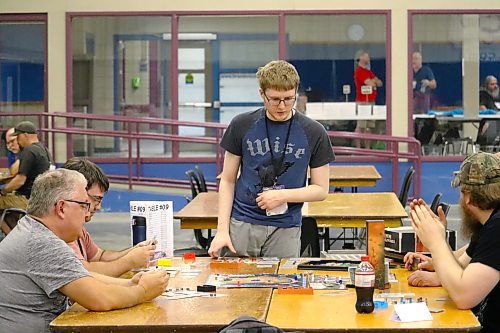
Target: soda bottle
[(364, 282)]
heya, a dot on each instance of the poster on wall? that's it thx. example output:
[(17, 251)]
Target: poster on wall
[(153, 220)]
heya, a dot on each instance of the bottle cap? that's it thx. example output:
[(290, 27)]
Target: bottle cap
[(189, 256), (365, 258)]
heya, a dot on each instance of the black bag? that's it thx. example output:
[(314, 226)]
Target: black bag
[(247, 324)]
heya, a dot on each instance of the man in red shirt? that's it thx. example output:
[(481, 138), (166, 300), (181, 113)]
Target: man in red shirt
[(363, 76)]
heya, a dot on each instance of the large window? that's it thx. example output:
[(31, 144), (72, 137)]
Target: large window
[(458, 53), (22, 67), (121, 66), (326, 49), (218, 59)]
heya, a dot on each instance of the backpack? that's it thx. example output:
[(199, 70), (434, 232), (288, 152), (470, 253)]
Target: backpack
[(247, 324)]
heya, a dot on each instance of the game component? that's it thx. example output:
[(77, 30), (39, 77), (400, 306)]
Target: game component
[(327, 265), (164, 262), (189, 257), (295, 291), (206, 288), (414, 264), (226, 263)]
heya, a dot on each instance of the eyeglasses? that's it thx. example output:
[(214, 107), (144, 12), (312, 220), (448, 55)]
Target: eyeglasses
[(287, 101), (85, 205), (96, 198)]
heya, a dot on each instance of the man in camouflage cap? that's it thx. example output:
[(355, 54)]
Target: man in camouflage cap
[(471, 279)]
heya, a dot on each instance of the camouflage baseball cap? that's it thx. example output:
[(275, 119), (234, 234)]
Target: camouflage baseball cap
[(478, 169)]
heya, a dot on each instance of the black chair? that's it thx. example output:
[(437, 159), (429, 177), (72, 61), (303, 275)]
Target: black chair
[(10, 216), (405, 187), (435, 202), (309, 238), (196, 187), (201, 179)]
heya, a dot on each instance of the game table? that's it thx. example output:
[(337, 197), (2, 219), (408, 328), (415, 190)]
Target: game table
[(323, 311)]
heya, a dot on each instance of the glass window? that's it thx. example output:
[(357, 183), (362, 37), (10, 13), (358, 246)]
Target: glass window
[(22, 69), (121, 66), (218, 59), (455, 62), (342, 63)]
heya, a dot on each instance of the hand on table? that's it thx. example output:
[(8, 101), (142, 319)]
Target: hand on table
[(221, 240), (423, 279), (154, 283)]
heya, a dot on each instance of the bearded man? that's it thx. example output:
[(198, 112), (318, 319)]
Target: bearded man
[(479, 182), (489, 94)]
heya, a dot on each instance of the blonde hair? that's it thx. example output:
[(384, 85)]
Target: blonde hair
[(484, 196), (279, 75)]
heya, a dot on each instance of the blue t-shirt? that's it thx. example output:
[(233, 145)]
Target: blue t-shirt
[(11, 158), (424, 73), (307, 145)]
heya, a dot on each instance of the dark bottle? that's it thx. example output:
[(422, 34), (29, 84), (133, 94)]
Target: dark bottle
[(365, 284), (138, 229)]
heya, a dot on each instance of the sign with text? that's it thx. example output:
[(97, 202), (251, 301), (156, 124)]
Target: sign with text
[(153, 220)]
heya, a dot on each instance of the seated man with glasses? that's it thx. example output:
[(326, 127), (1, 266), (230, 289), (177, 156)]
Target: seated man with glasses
[(95, 259), (260, 211), (39, 272)]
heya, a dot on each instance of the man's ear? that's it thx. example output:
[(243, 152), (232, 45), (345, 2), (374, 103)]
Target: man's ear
[(59, 208)]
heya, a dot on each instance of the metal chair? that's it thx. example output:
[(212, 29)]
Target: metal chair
[(9, 218), (309, 238), (196, 187), (405, 187)]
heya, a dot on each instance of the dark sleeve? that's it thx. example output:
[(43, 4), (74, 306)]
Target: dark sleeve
[(26, 161), (487, 250), (483, 98), (233, 136), (321, 147), (430, 74)]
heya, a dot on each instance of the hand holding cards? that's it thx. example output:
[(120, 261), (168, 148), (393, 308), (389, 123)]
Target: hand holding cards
[(281, 209)]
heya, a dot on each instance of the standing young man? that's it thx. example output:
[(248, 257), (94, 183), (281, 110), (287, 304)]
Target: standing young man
[(272, 147)]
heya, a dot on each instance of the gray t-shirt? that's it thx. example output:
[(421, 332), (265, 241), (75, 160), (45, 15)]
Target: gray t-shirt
[(34, 264)]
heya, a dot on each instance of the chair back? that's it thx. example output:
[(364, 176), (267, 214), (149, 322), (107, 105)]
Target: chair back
[(194, 183), (10, 216), (309, 238), (435, 202), (405, 187), (201, 178)]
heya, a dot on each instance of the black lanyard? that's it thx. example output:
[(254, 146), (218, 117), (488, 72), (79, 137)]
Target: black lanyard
[(277, 164)]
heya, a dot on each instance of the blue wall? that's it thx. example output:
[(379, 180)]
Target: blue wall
[(436, 177)]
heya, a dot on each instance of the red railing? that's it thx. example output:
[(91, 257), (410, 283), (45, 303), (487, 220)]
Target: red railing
[(392, 152), (50, 124)]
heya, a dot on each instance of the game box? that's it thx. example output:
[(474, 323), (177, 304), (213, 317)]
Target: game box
[(402, 240)]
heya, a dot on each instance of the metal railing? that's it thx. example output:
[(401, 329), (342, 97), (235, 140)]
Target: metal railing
[(130, 130)]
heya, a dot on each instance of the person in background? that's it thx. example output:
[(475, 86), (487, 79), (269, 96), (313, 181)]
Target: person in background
[(479, 182), (260, 211), (423, 83), (39, 271), (12, 151), (34, 159), (95, 259), (489, 94), (363, 76)]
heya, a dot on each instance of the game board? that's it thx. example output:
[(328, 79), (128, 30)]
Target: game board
[(256, 280)]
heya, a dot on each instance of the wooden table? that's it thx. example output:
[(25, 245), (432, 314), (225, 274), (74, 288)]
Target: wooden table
[(353, 176), (339, 210), (319, 312), (336, 313), (5, 175), (185, 315)]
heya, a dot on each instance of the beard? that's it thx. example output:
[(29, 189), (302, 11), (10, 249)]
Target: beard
[(495, 93), (470, 224)]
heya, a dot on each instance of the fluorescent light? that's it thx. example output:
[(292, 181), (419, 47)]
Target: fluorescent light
[(191, 36)]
